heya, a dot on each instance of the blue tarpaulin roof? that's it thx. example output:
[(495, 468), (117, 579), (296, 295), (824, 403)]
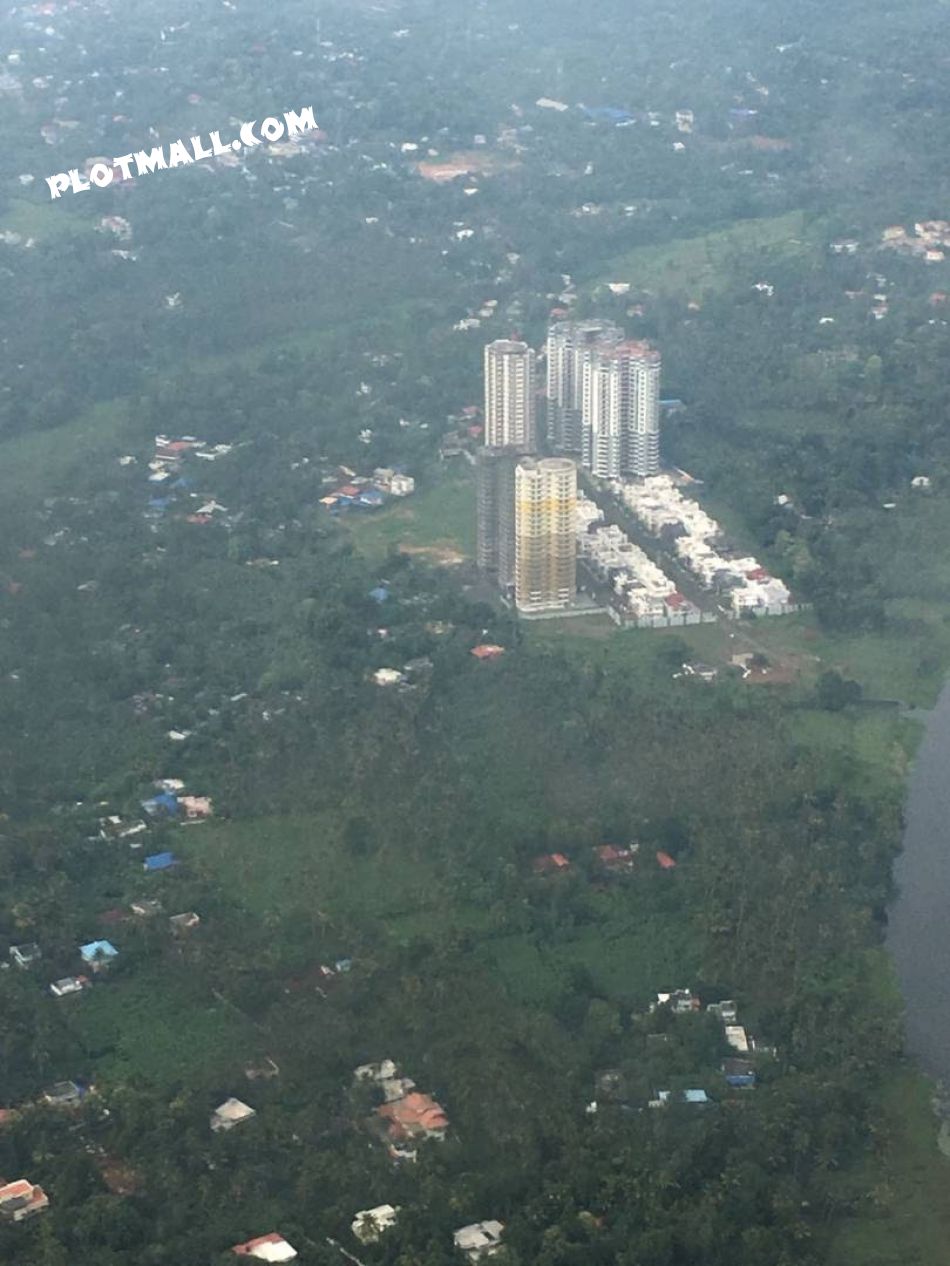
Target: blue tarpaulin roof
[(607, 114), (97, 950), (164, 802), (379, 594), (160, 861)]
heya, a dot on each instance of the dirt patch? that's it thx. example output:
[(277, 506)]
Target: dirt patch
[(443, 555)]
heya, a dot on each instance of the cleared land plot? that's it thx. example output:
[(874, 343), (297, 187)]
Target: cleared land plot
[(438, 524), (694, 264), (42, 220), (287, 866)]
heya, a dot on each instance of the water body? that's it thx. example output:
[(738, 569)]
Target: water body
[(919, 924)]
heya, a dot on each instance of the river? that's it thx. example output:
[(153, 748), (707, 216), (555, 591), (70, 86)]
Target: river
[(918, 934)]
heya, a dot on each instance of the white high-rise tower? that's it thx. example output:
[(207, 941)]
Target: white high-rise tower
[(510, 395), (571, 345), (621, 410)]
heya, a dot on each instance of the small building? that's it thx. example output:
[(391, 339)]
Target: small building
[(415, 1116), (231, 1113), (727, 1010), (68, 985), (159, 861), (679, 1001), (25, 955), (64, 1094), (182, 923), (196, 806), (146, 907), (551, 864), (98, 955), (382, 1071), (739, 1073), (164, 805), (402, 485), (479, 1239), (615, 859), (21, 1199), (663, 1098), (369, 1224), (267, 1248), (664, 861), (388, 677), (737, 1039), (487, 650), (262, 1070)]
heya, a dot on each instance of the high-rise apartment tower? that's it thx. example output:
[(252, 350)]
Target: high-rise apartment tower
[(545, 542), (510, 395), (495, 494), (621, 410), (571, 345)]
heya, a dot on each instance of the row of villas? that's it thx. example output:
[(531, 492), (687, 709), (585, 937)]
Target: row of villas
[(696, 539), (640, 587)]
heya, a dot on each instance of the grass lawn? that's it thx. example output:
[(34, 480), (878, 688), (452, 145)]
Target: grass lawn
[(35, 460), (906, 1219), (885, 664), (437, 523), (295, 865), (694, 264), (161, 1030), (42, 220)]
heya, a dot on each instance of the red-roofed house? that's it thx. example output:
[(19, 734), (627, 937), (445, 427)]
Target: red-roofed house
[(487, 650), (614, 858), (551, 864), (21, 1199), (267, 1248), (414, 1116), (757, 573), (665, 861)]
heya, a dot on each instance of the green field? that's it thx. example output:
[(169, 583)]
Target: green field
[(437, 523), (688, 266), (904, 1218), (289, 867), (36, 461), (141, 1028), (42, 220)]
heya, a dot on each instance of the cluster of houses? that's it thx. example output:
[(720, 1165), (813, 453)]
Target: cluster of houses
[(611, 859), (929, 240), (171, 473), (363, 492), (98, 956), (639, 587), (737, 1070), (697, 540), (407, 1116)]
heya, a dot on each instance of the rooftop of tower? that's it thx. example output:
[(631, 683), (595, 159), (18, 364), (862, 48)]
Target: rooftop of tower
[(551, 465), (508, 345), (640, 349)]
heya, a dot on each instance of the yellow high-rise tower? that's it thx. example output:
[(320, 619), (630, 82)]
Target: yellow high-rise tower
[(545, 539)]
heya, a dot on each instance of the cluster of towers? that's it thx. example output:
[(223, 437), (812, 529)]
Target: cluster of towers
[(603, 393), (603, 398)]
